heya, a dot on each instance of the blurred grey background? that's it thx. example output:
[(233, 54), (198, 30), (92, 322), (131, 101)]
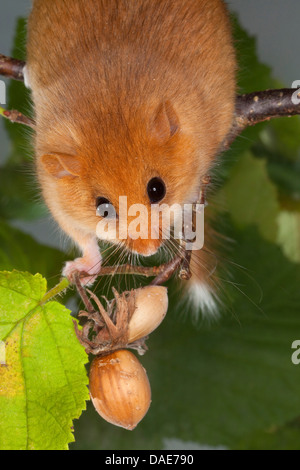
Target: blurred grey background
[(274, 22)]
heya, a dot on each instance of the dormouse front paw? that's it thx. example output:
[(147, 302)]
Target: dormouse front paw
[(83, 265)]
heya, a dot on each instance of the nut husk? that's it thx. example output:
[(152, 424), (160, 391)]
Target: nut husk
[(120, 389)]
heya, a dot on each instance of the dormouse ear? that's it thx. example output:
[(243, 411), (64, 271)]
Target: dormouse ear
[(166, 123), (60, 165)]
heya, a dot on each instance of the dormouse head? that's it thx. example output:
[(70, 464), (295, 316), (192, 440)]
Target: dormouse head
[(124, 183)]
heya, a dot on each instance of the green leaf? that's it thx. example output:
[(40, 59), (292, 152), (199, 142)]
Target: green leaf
[(19, 196), (285, 133), (289, 234), (22, 252), (275, 438), (279, 145), (220, 384), (43, 384), (252, 76), (250, 197)]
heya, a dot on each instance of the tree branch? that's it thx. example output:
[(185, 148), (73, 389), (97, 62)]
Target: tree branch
[(251, 108), (12, 68), (261, 106)]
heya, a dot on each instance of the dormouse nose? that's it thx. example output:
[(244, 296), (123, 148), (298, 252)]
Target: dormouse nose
[(144, 247)]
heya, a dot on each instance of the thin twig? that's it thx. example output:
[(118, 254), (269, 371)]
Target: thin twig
[(185, 271), (82, 293), (59, 289), (17, 117), (161, 273), (129, 269), (168, 272)]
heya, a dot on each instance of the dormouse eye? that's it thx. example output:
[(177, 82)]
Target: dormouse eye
[(156, 190), (105, 209)]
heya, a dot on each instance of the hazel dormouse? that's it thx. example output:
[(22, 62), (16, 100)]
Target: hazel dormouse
[(131, 98)]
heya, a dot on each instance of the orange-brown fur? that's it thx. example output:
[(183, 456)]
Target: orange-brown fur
[(108, 79)]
